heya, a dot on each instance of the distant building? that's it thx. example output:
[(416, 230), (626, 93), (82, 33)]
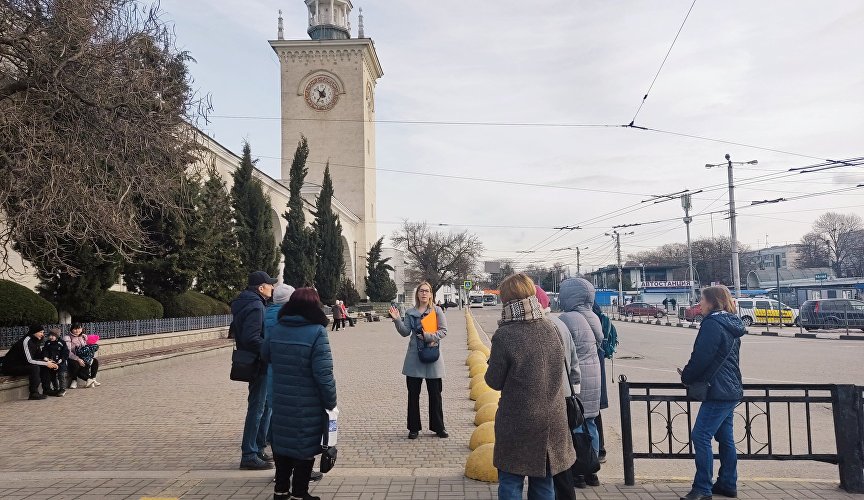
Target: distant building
[(764, 258), (648, 283)]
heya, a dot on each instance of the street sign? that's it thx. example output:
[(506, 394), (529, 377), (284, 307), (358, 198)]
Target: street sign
[(821, 276), (467, 284)]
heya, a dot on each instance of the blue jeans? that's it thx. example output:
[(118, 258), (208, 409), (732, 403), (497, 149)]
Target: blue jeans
[(715, 420), (510, 487), (592, 431), (257, 419)]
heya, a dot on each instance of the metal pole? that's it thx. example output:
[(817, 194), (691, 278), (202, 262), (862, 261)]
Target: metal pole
[(685, 200), (779, 302), (736, 271), (620, 272), (626, 431), (578, 264)]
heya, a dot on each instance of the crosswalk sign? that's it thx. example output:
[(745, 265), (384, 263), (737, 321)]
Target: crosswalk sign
[(467, 284)]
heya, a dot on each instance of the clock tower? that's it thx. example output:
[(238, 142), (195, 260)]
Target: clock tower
[(328, 95)]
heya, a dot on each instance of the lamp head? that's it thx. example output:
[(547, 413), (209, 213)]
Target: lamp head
[(728, 157), (708, 165), (753, 162)]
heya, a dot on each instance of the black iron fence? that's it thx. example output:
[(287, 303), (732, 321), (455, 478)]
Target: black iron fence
[(121, 329), (772, 422)]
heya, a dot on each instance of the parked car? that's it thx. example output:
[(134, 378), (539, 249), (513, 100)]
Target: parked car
[(642, 309), (694, 313), (760, 310), (832, 313)]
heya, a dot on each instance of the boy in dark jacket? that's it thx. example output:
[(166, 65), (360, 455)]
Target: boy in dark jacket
[(55, 350)]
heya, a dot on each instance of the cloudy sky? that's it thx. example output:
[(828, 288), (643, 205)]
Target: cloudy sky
[(511, 80)]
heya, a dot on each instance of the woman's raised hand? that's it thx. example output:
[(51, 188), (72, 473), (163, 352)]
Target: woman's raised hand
[(394, 313)]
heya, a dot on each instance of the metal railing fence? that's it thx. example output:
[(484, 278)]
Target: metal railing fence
[(122, 329)]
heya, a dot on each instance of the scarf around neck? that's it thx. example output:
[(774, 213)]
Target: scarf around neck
[(521, 310)]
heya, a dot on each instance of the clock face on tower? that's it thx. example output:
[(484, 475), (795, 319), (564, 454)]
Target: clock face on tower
[(321, 93)]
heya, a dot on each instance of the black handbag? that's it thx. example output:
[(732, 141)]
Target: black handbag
[(575, 410), (427, 353), (328, 453), (587, 461), (698, 391), (245, 366)]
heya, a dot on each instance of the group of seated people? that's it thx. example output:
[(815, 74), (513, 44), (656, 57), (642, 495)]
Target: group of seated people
[(55, 363)]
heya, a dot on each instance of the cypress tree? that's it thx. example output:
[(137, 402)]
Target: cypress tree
[(328, 241), (170, 265), (222, 274), (347, 293), (379, 286), (254, 226), (298, 244)]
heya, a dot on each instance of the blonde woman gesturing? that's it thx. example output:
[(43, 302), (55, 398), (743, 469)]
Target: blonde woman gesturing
[(426, 326)]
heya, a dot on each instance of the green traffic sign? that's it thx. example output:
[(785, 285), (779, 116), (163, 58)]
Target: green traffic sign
[(467, 284), (821, 276)]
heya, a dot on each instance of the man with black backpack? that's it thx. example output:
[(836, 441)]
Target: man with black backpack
[(247, 329)]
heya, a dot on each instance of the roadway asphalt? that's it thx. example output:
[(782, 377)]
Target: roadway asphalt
[(650, 353)]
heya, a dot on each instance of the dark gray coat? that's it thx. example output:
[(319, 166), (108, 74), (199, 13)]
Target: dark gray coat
[(576, 298), (413, 367), (526, 365)]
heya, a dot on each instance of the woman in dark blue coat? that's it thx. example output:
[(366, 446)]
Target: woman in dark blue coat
[(715, 360), (298, 351)]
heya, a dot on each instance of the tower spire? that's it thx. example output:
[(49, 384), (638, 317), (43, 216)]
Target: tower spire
[(281, 33), (360, 33)]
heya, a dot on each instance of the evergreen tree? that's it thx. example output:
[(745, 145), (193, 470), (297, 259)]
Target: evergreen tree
[(299, 243), (348, 293), (328, 242), (178, 242), (222, 274), (379, 286), (79, 293), (254, 226)]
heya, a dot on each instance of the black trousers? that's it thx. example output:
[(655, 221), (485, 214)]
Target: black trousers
[(436, 407), (292, 475), (39, 375), (564, 488), (83, 372)]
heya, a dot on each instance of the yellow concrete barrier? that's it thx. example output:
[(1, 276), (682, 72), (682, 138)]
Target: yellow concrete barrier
[(483, 434), (486, 398), (477, 369), (479, 465), (476, 379), (475, 357), (486, 413), (485, 350), (479, 389)]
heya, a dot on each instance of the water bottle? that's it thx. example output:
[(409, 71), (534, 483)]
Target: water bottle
[(332, 426)]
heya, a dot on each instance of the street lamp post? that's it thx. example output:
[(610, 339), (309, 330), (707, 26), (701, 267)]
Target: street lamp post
[(736, 270)]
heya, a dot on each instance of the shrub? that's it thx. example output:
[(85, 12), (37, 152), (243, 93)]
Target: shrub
[(21, 306), (193, 304), (121, 306)]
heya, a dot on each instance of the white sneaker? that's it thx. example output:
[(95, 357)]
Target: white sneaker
[(90, 383), (96, 382), (74, 384)]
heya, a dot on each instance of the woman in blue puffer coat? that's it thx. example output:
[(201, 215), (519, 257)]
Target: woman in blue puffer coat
[(298, 351), (715, 359)]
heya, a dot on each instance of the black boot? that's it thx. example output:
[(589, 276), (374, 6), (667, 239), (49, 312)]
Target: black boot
[(281, 496), (579, 481)]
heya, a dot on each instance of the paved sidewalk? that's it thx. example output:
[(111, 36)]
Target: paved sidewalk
[(174, 431)]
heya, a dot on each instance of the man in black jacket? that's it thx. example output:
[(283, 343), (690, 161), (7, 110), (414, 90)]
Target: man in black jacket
[(25, 358), (248, 329)]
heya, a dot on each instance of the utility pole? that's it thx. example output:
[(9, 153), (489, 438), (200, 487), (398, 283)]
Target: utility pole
[(578, 265), (733, 232), (617, 237), (685, 203)]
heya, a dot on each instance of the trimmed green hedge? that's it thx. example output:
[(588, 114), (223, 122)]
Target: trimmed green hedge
[(193, 303), (120, 306), (20, 306)]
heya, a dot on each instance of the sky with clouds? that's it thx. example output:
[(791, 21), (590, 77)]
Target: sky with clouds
[(514, 81)]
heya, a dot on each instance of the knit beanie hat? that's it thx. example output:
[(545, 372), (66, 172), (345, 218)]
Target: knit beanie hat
[(282, 293), (35, 329), (92, 339), (541, 297)]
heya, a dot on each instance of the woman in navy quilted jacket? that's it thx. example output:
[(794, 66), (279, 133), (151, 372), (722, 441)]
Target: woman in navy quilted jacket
[(715, 360), (298, 351)]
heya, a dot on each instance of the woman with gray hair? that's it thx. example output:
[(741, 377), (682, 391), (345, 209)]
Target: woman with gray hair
[(281, 294)]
